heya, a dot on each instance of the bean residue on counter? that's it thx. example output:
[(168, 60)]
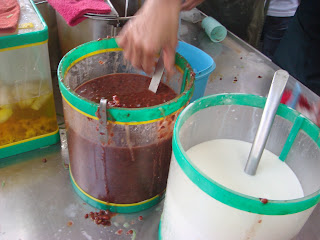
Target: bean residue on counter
[(102, 217)]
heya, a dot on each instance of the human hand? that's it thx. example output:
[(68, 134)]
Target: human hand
[(154, 27), (190, 4)]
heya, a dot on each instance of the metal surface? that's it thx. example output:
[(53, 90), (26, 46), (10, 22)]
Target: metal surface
[(37, 200), (156, 78), (49, 15), (96, 25), (127, 7), (40, 2), (243, 17), (236, 60), (278, 85)]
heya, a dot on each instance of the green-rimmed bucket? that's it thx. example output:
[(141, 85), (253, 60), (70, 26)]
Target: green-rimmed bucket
[(198, 206), (127, 171)]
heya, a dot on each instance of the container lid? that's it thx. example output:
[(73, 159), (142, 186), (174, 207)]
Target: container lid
[(31, 30), (200, 61)]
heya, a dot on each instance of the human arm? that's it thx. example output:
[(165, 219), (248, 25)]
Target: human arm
[(190, 4), (153, 28)]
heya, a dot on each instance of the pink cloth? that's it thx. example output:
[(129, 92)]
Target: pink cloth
[(9, 15), (72, 10)]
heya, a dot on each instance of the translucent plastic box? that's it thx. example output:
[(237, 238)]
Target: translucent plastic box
[(27, 110)]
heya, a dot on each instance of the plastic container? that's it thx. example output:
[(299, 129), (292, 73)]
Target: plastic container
[(127, 170), (202, 65), (27, 110), (215, 31), (199, 207)]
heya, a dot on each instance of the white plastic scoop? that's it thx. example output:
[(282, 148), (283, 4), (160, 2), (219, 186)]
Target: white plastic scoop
[(156, 78), (278, 84)]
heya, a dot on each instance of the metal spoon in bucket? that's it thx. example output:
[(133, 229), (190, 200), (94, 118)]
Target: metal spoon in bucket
[(278, 84)]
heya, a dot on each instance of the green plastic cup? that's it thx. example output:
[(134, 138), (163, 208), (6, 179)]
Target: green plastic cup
[(214, 29)]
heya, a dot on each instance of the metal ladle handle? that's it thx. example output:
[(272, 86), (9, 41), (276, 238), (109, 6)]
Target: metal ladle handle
[(278, 84), (103, 119)]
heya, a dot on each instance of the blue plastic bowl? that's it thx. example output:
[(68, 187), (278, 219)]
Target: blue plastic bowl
[(202, 65)]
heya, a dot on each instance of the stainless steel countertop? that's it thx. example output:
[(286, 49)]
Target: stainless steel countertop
[(37, 200)]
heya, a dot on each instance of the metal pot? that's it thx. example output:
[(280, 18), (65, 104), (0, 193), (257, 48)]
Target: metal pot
[(96, 25), (49, 16)]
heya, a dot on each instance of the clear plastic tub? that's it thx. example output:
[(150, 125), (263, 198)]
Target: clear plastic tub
[(27, 110), (198, 206), (125, 168)]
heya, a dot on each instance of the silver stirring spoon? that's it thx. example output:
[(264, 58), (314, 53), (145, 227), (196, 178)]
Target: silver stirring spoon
[(278, 84)]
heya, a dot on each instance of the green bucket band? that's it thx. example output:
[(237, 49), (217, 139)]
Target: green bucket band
[(159, 230), (120, 115), (29, 144), (114, 207), (292, 136), (223, 194)]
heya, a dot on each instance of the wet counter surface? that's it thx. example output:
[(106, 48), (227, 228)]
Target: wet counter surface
[(36, 197)]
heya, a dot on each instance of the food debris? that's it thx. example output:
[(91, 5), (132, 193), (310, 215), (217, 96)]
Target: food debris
[(264, 200), (134, 234), (107, 223), (101, 62), (69, 224), (130, 232), (66, 166), (119, 232), (25, 25), (140, 218), (235, 80), (303, 101), (221, 78), (3, 184), (102, 217), (44, 160), (9, 16), (260, 221), (126, 225)]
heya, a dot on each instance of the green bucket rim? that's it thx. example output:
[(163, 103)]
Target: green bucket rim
[(115, 207), (226, 195), (120, 115)]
